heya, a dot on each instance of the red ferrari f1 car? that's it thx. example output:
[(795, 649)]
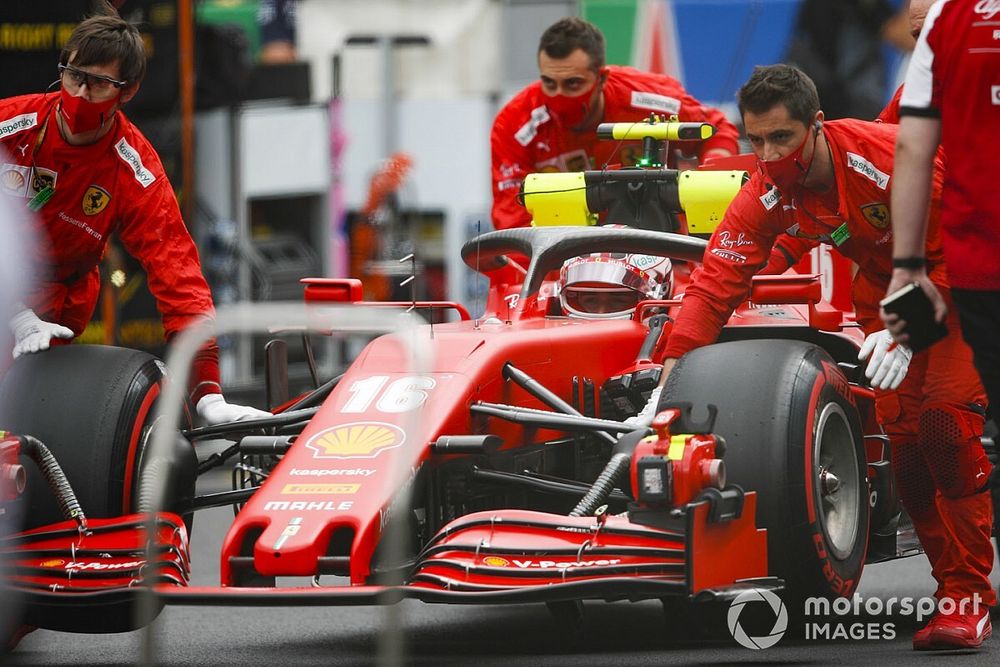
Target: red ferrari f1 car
[(502, 472)]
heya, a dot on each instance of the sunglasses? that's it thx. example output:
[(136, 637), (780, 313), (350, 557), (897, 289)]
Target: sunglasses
[(98, 83)]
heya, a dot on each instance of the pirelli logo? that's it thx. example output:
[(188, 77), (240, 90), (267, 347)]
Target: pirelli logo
[(17, 124), (730, 255), (131, 158), (320, 489)]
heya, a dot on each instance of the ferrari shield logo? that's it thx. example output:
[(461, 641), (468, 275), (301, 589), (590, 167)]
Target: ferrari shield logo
[(357, 440), (95, 199), (876, 214)]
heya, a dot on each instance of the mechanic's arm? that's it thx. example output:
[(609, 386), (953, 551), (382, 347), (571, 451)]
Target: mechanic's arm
[(511, 164), (154, 233), (787, 252), (705, 308), (717, 287), (913, 181)]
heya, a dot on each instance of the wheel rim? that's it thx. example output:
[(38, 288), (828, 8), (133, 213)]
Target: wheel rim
[(836, 481)]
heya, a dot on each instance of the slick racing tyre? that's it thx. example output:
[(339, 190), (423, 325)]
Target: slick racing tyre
[(93, 407), (793, 435)]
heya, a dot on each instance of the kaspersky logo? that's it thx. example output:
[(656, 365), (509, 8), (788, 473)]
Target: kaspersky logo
[(357, 440)]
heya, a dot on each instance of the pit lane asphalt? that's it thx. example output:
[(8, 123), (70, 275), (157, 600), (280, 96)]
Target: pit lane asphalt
[(621, 633)]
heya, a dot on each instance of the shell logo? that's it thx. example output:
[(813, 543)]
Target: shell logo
[(12, 180), (496, 561), (52, 562), (358, 440)]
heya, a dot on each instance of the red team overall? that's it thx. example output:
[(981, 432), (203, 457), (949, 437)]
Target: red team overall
[(550, 125), (89, 173), (834, 184), (952, 96)]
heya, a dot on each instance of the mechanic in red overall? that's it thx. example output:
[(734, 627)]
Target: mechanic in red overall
[(954, 112), (88, 172), (832, 182), (788, 251), (551, 124), (952, 97)]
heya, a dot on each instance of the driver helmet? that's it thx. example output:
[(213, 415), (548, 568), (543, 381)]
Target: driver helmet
[(609, 285)]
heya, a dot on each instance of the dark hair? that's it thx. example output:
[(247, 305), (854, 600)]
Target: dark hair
[(107, 38), (569, 34), (770, 85)]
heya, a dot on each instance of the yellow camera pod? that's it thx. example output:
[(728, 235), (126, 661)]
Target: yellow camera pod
[(557, 199), (662, 131), (705, 196)]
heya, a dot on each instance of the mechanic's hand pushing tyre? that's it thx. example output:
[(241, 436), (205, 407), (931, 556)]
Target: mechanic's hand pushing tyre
[(93, 406), (793, 435)]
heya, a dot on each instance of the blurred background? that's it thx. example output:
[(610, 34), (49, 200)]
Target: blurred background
[(331, 137)]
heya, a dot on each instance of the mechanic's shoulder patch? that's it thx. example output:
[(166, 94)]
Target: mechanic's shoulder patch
[(868, 170), (655, 102), (131, 157), (15, 124), (770, 198), (529, 130)]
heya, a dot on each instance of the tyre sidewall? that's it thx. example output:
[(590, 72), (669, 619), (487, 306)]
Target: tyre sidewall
[(769, 394), (91, 405)]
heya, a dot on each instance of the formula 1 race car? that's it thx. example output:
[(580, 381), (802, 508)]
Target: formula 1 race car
[(503, 471)]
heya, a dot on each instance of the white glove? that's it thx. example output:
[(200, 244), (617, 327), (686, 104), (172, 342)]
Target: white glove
[(213, 409), (32, 334), (645, 417), (889, 362)]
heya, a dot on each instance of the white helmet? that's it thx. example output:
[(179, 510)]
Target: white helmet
[(607, 285)]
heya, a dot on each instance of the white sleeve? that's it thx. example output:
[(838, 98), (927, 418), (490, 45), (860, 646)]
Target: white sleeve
[(918, 90)]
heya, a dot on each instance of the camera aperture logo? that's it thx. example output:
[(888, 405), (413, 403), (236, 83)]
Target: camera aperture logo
[(854, 618), (772, 602)]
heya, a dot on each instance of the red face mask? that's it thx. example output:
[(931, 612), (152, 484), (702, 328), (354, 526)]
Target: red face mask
[(787, 172), (572, 111), (82, 115)]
